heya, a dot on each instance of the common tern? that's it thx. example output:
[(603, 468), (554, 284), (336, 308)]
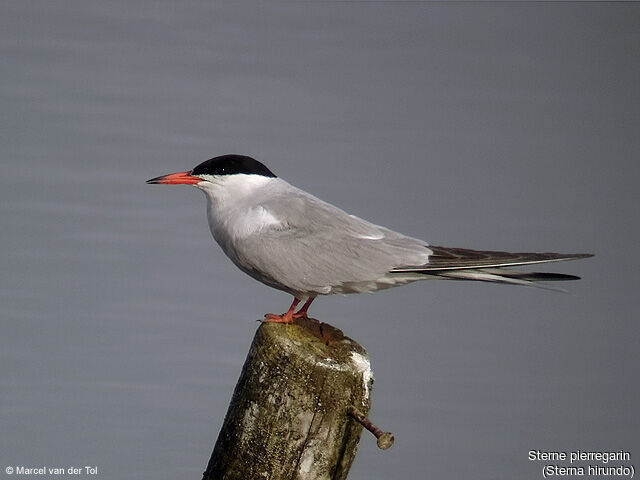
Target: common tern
[(290, 240)]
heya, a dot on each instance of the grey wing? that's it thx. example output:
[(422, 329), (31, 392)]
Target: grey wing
[(319, 248)]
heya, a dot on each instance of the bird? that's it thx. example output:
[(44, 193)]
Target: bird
[(291, 240)]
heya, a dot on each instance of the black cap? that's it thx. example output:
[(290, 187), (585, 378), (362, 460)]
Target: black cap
[(231, 165)]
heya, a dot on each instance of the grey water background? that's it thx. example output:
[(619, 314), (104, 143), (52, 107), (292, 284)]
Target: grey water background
[(491, 126)]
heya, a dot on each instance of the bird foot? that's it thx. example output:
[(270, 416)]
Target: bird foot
[(288, 317), (273, 318)]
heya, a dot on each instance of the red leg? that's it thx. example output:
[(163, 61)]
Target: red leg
[(302, 313), (284, 318)]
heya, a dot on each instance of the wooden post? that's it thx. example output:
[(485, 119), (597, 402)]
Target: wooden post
[(289, 416)]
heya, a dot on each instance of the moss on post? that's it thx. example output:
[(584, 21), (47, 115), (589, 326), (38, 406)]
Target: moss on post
[(288, 417)]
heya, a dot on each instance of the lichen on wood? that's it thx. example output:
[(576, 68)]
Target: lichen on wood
[(288, 414)]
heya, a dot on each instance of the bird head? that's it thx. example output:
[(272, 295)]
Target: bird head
[(216, 171)]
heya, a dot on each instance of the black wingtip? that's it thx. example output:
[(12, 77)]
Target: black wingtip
[(548, 277)]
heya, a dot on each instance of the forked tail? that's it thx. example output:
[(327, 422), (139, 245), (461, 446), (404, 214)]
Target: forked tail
[(490, 266)]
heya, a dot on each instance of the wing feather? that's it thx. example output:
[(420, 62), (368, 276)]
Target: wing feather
[(447, 259), (317, 246)]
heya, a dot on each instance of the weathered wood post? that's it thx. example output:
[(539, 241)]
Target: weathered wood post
[(292, 412)]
